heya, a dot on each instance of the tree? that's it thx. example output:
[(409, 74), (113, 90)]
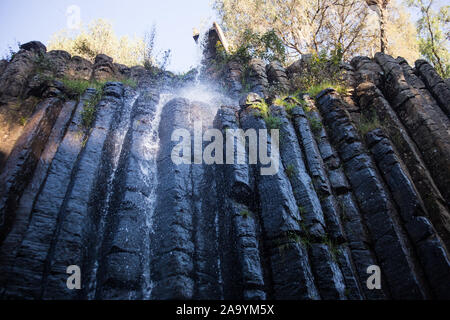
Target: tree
[(312, 26), (400, 33), (379, 6), (99, 37), (304, 26), (350, 26), (433, 32), (267, 46)]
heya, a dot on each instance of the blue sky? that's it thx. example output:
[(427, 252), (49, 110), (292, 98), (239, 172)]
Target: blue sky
[(25, 20)]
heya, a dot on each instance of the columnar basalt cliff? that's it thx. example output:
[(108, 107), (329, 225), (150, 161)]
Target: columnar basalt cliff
[(88, 180)]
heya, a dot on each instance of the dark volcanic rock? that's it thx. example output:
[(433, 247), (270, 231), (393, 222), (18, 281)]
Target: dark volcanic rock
[(390, 245), (234, 78), (19, 169), (25, 206), (302, 184), (437, 86), (173, 264), (35, 245), (436, 263), (359, 180), (104, 68), (34, 46), (79, 68), (427, 125), (3, 64), (14, 78), (371, 99), (280, 217), (276, 75), (257, 78)]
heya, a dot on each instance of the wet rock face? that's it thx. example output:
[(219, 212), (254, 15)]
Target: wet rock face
[(106, 196)]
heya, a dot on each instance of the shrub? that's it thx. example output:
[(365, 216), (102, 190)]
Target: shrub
[(23, 121), (288, 102), (290, 171), (87, 116), (43, 64), (263, 108), (90, 108), (99, 37), (368, 122), (306, 242), (155, 62), (266, 46), (314, 90), (273, 123), (306, 238), (245, 214), (334, 248), (320, 72), (130, 82), (292, 236), (9, 54), (77, 86), (316, 126), (302, 210), (264, 111)]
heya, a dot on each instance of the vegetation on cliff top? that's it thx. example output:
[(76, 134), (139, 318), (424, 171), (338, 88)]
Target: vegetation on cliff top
[(434, 34), (99, 38), (283, 30), (311, 26)]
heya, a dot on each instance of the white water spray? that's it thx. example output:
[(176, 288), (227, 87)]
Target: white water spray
[(150, 150)]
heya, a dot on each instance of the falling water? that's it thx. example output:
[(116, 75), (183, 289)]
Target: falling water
[(151, 149), (211, 99)]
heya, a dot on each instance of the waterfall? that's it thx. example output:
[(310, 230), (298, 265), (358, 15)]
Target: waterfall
[(151, 148)]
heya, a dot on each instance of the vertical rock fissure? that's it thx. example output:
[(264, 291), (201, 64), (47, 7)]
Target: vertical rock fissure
[(371, 98), (79, 213), (335, 235), (34, 248), (24, 213), (119, 132), (373, 200)]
